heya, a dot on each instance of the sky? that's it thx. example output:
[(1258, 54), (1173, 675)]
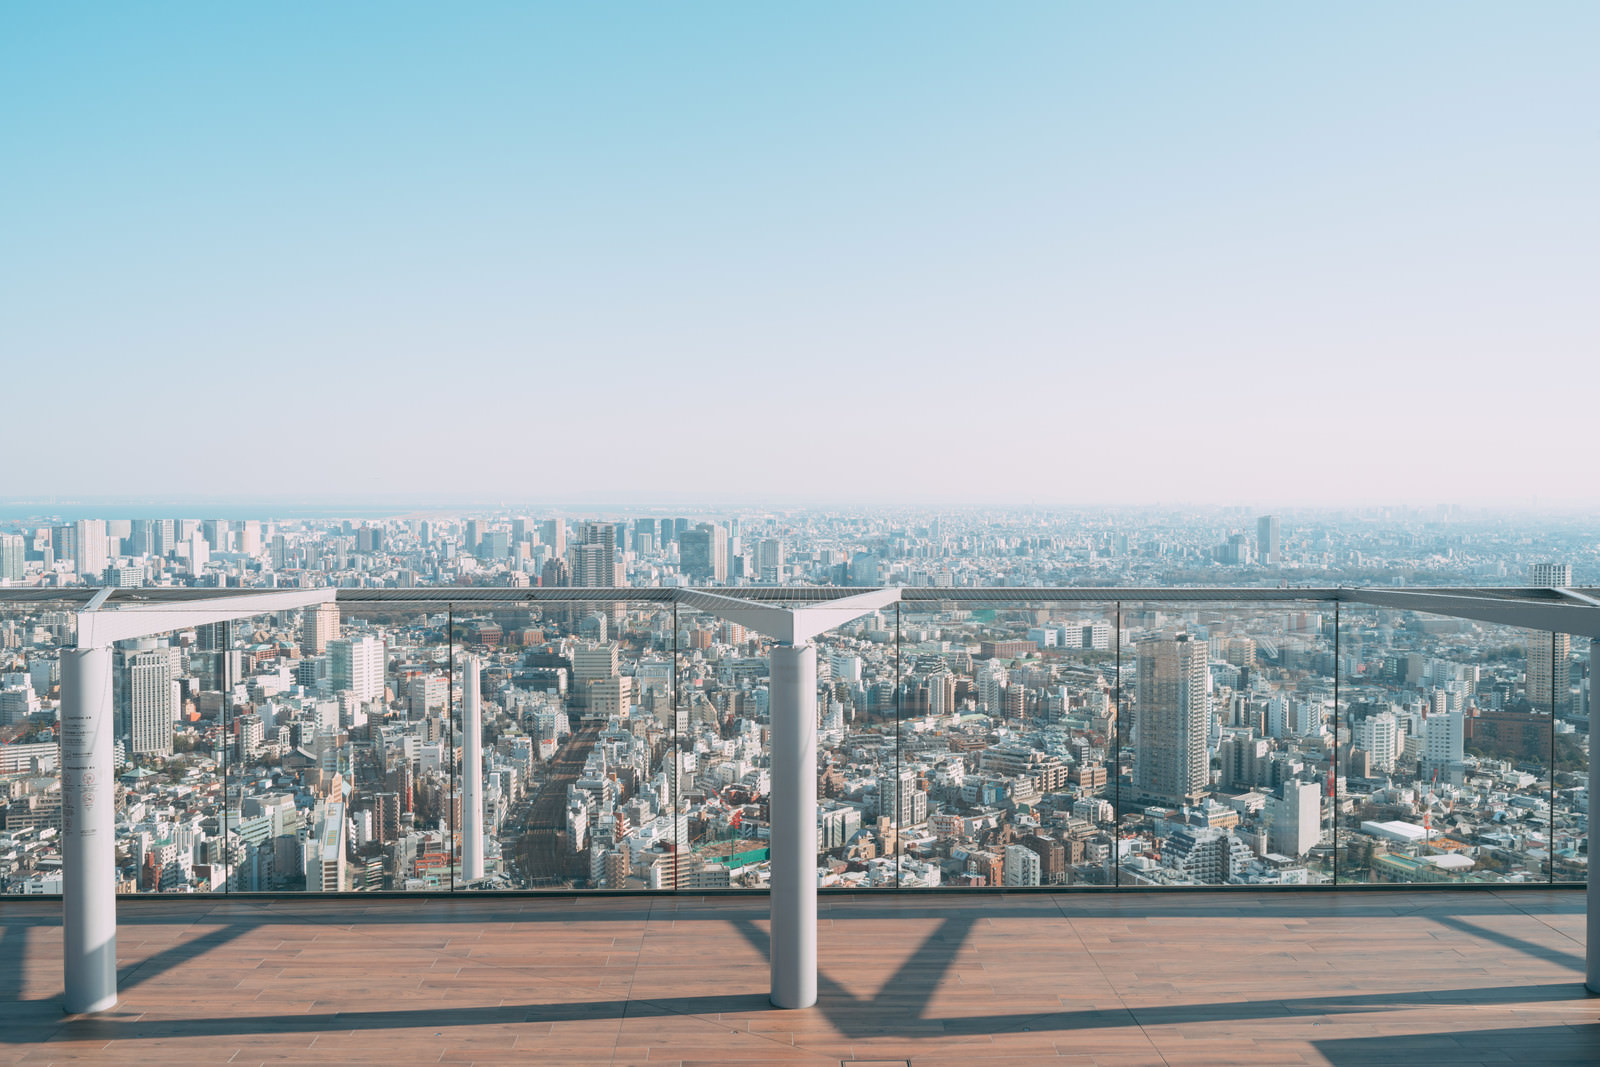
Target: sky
[(1060, 253)]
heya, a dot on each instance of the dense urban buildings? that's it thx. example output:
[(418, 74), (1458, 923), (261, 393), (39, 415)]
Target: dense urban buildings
[(988, 736)]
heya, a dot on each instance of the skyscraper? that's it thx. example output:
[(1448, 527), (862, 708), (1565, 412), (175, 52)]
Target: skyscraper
[(1549, 654), (319, 625), (471, 772), (13, 557), (703, 553), (214, 636), (141, 537), (594, 558), (1378, 736), (147, 700), (1171, 719), (1269, 548), (357, 664), (769, 560), (553, 532), (163, 537), (1444, 747), (89, 548)]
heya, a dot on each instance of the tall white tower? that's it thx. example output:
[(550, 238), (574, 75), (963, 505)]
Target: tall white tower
[(471, 773)]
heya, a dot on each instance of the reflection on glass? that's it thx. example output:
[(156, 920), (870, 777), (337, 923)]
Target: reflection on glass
[(1226, 746), (32, 636), (1448, 727)]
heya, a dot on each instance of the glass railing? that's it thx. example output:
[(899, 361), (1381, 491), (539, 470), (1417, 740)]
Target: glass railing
[(994, 738), (33, 632)]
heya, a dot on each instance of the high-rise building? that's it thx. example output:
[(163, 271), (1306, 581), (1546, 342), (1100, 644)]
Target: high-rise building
[(318, 626), (594, 557), (703, 553), (910, 802), (769, 560), (325, 852), (141, 538), (163, 537), (494, 544), (555, 573), (471, 772), (1444, 747), (90, 555), (1269, 547), (553, 532), (357, 664), (147, 699), (1171, 719), (214, 636), (594, 663), (1550, 654), (1379, 737), (1294, 818), (13, 557)]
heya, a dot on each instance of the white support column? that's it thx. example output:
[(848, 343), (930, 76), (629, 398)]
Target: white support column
[(1592, 949), (471, 773), (88, 849), (794, 825)]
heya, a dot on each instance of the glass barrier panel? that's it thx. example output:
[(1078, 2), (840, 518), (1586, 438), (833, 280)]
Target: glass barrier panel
[(33, 633), (869, 804), (329, 727), (721, 763), (169, 772), (389, 674), (724, 754), (1447, 726), (575, 717), (1569, 809), (1226, 748), (1007, 743)]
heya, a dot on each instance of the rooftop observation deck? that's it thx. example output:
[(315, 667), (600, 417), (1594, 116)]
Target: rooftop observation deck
[(193, 937), (1330, 977)]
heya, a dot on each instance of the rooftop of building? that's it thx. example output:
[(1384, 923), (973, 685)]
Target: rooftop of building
[(1325, 977)]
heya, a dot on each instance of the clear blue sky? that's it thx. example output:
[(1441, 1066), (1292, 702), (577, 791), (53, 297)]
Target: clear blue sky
[(1226, 253)]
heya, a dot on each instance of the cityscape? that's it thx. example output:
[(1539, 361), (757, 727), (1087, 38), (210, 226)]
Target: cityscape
[(974, 734), (915, 533)]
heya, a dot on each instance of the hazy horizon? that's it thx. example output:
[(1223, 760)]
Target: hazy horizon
[(294, 508)]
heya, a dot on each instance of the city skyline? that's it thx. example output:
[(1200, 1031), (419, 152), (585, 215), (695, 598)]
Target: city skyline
[(977, 734)]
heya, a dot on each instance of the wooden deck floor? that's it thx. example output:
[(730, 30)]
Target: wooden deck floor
[(1340, 978)]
